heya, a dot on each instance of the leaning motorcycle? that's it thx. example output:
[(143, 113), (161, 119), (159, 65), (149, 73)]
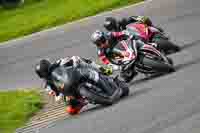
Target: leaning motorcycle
[(93, 94), (96, 95), (153, 36), (142, 58)]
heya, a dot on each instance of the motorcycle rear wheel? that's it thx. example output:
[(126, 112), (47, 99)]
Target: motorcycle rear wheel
[(166, 46), (94, 97), (159, 66)]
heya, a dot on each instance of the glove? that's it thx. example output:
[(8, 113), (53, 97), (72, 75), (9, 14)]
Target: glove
[(114, 67), (144, 20), (58, 98), (106, 71)]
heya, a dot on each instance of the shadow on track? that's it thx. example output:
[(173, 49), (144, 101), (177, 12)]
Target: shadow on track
[(137, 93), (132, 94), (92, 109), (192, 44), (187, 64), (186, 46), (177, 67)]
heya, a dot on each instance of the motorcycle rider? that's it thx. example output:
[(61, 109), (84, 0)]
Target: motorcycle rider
[(65, 76), (106, 42), (48, 85), (50, 88), (158, 40), (112, 24)]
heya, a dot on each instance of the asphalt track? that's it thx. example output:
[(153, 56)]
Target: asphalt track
[(167, 104)]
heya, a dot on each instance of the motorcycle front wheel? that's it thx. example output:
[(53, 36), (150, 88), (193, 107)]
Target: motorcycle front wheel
[(123, 86)]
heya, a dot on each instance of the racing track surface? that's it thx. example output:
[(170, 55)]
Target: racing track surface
[(167, 104)]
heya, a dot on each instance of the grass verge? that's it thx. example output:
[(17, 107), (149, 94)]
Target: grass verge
[(36, 15), (16, 107)]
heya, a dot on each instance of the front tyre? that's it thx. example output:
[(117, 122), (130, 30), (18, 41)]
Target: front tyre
[(123, 86), (127, 75)]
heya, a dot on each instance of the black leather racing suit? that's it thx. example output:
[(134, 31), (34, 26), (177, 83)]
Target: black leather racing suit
[(77, 71)]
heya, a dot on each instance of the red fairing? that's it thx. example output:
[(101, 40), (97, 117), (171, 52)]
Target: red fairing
[(118, 34), (103, 58), (142, 29), (129, 54)]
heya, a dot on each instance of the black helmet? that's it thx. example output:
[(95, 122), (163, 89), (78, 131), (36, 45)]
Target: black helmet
[(123, 22), (110, 23), (98, 37), (42, 68)]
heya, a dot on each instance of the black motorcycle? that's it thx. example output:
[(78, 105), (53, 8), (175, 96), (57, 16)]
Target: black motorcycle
[(72, 82), (96, 95)]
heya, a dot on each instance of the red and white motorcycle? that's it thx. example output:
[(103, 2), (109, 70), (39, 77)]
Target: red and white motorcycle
[(140, 57), (150, 34)]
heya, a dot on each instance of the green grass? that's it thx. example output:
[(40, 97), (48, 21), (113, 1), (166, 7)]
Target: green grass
[(36, 15), (16, 107)]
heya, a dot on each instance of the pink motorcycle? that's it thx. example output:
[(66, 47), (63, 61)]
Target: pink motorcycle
[(140, 57), (152, 36)]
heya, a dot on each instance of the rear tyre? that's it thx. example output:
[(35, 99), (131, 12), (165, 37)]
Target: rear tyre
[(167, 46), (93, 97), (158, 65)]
